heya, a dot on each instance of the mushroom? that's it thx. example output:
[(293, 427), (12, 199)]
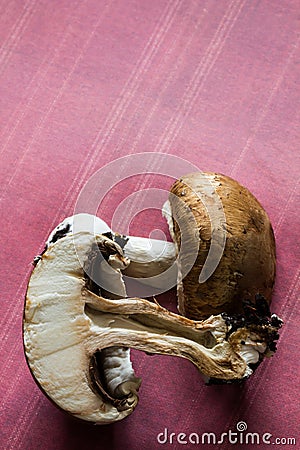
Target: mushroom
[(244, 240), (79, 324), (76, 340)]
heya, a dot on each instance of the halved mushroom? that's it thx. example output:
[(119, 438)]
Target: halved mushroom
[(75, 340)]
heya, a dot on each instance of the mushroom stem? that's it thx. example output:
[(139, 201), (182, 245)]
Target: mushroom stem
[(217, 349), (149, 327)]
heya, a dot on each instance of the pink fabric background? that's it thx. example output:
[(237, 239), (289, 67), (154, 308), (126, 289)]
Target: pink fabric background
[(84, 82)]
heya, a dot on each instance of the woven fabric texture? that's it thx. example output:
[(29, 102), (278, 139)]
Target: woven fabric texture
[(86, 82)]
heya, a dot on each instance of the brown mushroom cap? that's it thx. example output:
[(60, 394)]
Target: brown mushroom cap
[(247, 265)]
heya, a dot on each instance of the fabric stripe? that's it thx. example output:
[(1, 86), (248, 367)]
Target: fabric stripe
[(190, 34), (265, 109), (203, 70), (106, 132), (17, 117), (192, 92), (11, 42), (44, 118), (286, 207), (22, 426)]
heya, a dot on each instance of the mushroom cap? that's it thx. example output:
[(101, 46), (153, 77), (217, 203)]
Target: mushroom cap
[(247, 265)]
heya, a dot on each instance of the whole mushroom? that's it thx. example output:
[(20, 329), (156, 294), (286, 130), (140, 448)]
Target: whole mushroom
[(247, 259)]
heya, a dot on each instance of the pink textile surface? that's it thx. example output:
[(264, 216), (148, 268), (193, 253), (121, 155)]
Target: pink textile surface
[(85, 82)]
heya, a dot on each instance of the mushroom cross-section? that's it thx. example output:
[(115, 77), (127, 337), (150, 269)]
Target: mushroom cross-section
[(76, 341)]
